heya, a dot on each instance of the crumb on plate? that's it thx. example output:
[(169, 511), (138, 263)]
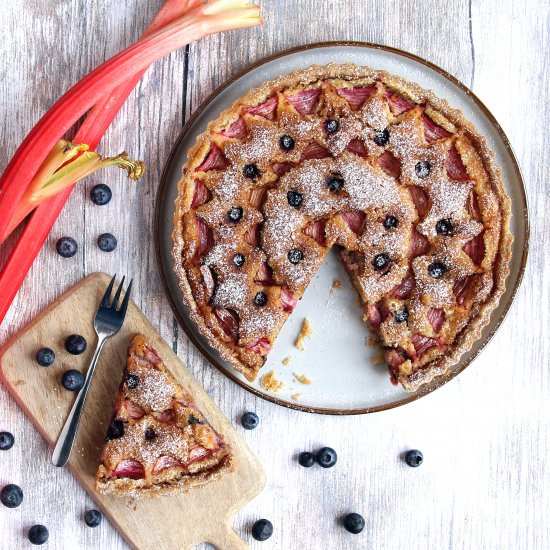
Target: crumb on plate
[(336, 283), (302, 378), (286, 361), (304, 332), (296, 396), (270, 382)]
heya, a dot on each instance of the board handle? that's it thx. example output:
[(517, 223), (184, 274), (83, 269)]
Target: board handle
[(224, 537)]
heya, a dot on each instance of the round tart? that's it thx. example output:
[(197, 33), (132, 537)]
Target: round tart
[(400, 183)]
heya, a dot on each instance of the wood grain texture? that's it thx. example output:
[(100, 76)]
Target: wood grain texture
[(38, 392), (485, 436)]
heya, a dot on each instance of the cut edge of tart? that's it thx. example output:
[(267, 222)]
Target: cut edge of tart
[(158, 441), (428, 284)]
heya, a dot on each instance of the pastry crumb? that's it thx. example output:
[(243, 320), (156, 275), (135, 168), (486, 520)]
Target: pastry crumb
[(378, 359), (372, 341), (296, 396), (336, 283), (286, 361), (270, 382), (304, 333), (302, 378)]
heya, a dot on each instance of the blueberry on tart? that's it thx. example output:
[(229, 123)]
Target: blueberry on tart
[(158, 440), (399, 182)]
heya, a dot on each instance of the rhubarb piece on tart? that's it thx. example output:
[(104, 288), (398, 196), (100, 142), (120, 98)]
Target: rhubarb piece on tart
[(398, 181), (158, 440)]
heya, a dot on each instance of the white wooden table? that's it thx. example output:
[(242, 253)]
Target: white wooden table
[(485, 436)]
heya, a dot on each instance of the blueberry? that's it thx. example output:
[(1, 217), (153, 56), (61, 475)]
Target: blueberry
[(390, 222), (295, 256), (305, 459), (262, 529), (116, 430), (380, 261), (251, 171), (11, 496), (260, 299), (45, 357), (422, 168), (6, 441), (93, 518), (106, 242), (101, 194), (132, 381), (326, 457), (150, 434), (38, 534), (250, 420), (286, 143), (401, 316), (66, 247), (334, 183), (193, 420), (414, 458), (354, 523), (238, 260), (381, 137), (294, 198), (444, 227), (437, 270), (235, 214), (332, 126), (72, 380), (75, 344)]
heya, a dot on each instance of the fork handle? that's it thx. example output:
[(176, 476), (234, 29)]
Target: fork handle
[(65, 442)]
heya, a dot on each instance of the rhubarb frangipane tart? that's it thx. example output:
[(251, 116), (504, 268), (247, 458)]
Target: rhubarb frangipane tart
[(346, 156)]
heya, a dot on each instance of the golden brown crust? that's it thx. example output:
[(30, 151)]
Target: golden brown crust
[(482, 169), (158, 442)]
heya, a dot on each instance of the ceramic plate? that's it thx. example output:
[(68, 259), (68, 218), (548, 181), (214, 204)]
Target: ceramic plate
[(346, 375)]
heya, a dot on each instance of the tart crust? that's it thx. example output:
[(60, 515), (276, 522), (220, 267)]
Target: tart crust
[(411, 371)]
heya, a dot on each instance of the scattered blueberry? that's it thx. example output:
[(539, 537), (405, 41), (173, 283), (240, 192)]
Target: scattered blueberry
[(6, 441), (286, 143), (294, 198), (380, 261), (354, 523), (414, 458), (116, 429), (422, 168), (11, 496), (235, 214), (251, 171), (250, 420), (132, 381), (260, 299), (45, 357), (334, 183), (437, 270), (72, 380), (101, 194), (295, 256), (75, 344), (150, 434), (326, 457), (381, 137), (332, 126), (390, 222), (38, 534), (401, 316), (106, 242), (306, 459), (444, 227), (93, 518), (238, 259), (262, 529), (193, 420), (66, 247)]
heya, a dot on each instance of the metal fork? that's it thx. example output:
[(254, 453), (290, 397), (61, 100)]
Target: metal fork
[(107, 323)]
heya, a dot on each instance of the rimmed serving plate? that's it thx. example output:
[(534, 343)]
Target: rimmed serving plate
[(346, 374)]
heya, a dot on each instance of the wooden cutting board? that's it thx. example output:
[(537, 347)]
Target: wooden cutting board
[(167, 522)]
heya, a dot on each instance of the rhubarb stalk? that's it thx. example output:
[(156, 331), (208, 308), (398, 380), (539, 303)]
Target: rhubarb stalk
[(93, 128)]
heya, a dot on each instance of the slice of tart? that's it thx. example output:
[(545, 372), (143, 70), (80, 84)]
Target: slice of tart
[(158, 440)]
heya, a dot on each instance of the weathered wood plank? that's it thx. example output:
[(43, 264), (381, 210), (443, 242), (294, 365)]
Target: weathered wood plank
[(485, 436)]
